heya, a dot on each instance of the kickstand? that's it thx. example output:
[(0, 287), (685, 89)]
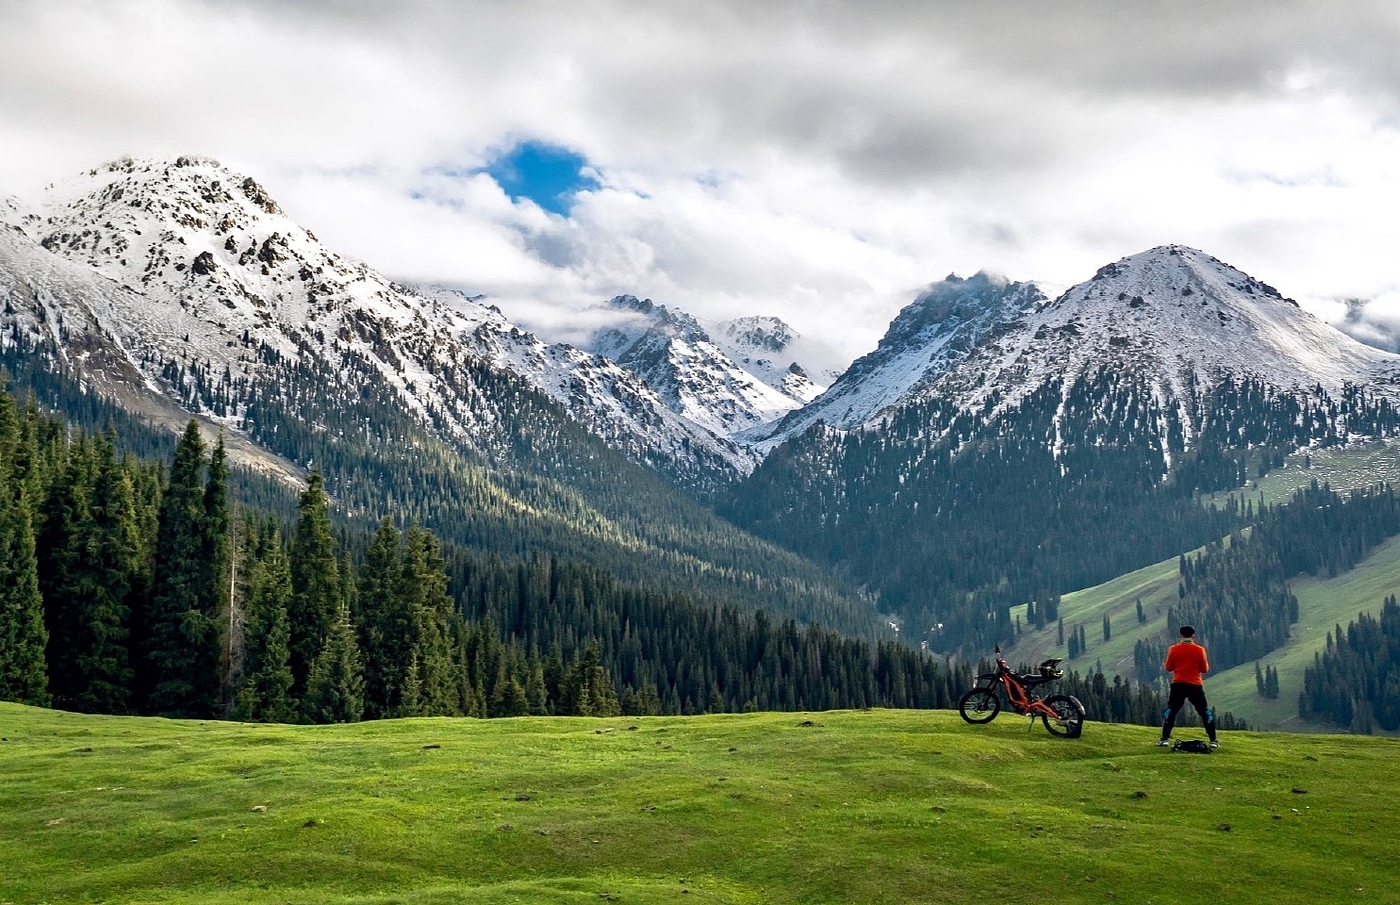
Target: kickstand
[(1031, 724)]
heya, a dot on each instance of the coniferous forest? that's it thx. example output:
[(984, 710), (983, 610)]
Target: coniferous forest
[(955, 516), (134, 586), (1237, 592), (1354, 683)]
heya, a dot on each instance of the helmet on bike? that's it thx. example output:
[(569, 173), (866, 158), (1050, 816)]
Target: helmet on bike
[(1050, 669)]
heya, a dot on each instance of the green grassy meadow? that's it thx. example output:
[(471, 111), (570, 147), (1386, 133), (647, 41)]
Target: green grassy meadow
[(870, 807)]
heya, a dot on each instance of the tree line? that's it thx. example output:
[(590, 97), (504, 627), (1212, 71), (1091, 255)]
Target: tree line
[(131, 587), (1237, 593), (535, 480), (134, 587), (1354, 682)]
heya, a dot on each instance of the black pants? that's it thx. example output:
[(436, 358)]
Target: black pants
[(1181, 693)]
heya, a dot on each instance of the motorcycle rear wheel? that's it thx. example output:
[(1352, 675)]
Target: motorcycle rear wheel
[(980, 705), (1069, 722)]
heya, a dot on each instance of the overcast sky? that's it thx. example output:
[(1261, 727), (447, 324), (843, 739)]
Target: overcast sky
[(818, 161)]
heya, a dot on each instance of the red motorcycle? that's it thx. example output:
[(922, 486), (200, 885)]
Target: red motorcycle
[(1062, 714)]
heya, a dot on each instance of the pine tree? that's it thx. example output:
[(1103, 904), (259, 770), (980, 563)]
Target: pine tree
[(384, 624), (92, 562), (315, 582), (216, 561), (23, 637), (264, 692), (423, 592), (588, 688), (335, 688), (66, 545), (182, 635), (121, 577)]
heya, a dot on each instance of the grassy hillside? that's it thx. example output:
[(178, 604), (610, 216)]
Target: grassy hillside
[(1323, 603), (1344, 469), (871, 807)]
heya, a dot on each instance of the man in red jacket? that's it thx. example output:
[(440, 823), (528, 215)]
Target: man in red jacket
[(1186, 661)]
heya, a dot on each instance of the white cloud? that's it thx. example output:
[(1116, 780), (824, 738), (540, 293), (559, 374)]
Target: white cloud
[(818, 162)]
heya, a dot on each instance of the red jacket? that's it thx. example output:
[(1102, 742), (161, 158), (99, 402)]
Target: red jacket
[(1186, 661)]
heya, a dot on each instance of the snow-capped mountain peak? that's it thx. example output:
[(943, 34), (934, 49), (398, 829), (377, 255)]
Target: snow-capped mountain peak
[(933, 335), (727, 376), (192, 271), (1182, 314)]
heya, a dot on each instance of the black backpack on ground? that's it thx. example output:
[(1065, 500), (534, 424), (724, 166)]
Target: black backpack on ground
[(1192, 746)]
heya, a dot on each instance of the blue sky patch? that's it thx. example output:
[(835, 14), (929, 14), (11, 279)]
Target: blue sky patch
[(548, 175)]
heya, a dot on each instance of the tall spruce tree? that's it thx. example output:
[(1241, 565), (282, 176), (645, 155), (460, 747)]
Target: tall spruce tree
[(384, 623), (182, 632), (264, 690), (336, 686), (23, 637), (588, 688), (217, 556), (66, 546), (423, 590), (123, 563), (316, 588), (90, 561)]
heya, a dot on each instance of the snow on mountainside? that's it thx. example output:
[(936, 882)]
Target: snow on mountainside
[(1179, 317), (1173, 316), (776, 354), (929, 338), (728, 376), (155, 266)]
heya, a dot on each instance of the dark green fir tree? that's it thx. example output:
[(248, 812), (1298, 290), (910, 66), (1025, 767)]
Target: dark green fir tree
[(316, 586), (183, 646), (264, 692), (335, 689), (23, 637)]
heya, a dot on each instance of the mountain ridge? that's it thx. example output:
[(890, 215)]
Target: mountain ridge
[(201, 259), (721, 375)]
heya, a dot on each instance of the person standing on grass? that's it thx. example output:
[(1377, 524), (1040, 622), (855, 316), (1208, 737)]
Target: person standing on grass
[(1187, 662)]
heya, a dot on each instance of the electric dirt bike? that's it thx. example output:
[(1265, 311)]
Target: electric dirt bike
[(1062, 714)]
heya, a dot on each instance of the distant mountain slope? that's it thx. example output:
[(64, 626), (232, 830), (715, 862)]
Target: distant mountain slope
[(190, 264), (930, 337), (1062, 443), (178, 289), (1183, 320)]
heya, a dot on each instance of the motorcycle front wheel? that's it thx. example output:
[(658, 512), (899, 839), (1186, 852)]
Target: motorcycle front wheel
[(1069, 719), (980, 705)]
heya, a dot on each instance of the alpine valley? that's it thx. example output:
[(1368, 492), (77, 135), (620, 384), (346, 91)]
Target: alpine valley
[(1000, 448)]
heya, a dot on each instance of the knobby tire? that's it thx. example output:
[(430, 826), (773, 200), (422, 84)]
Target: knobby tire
[(980, 705), (1071, 720)]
